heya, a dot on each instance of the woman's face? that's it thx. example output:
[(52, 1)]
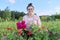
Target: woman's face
[(30, 10)]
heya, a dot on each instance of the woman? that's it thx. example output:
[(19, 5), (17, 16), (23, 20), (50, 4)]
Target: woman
[(30, 18)]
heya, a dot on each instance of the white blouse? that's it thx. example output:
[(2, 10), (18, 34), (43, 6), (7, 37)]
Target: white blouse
[(30, 20)]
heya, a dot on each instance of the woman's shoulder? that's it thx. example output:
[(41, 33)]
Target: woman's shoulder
[(36, 16), (25, 16)]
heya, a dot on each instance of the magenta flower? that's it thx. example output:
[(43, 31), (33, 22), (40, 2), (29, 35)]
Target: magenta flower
[(21, 25), (24, 26), (22, 22)]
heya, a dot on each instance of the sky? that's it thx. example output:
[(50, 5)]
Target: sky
[(42, 7)]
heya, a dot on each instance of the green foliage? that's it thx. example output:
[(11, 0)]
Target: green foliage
[(7, 14), (57, 16), (48, 18), (20, 18), (53, 27)]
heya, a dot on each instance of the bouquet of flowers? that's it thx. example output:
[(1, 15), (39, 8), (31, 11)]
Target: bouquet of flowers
[(21, 26)]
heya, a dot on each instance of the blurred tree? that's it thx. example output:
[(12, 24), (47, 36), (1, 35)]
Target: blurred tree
[(7, 14)]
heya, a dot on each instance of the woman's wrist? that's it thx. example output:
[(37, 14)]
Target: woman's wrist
[(39, 27)]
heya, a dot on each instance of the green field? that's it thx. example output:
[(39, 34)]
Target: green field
[(53, 26)]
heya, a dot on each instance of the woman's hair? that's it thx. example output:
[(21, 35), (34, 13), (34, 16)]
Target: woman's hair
[(30, 4)]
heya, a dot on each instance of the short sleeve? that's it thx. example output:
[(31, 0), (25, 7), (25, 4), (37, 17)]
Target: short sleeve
[(24, 17), (38, 21)]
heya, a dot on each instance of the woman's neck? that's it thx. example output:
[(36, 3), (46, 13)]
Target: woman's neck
[(30, 15)]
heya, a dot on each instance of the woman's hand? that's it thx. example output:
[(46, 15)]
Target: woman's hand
[(40, 27)]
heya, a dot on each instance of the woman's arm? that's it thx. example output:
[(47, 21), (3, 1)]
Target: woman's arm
[(39, 22)]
